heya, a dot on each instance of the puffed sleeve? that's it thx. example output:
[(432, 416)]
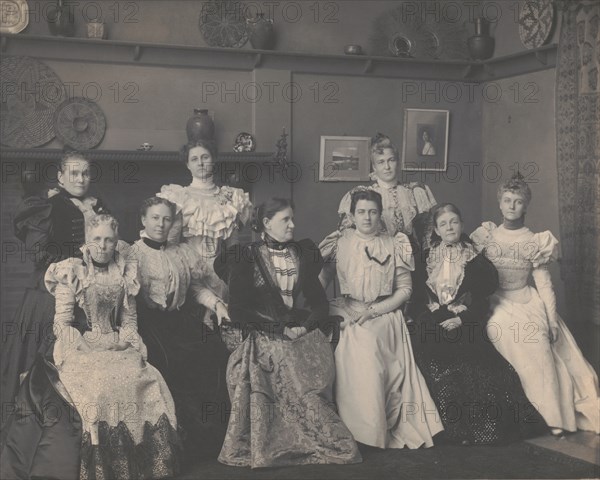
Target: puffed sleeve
[(128, 331), (33, 226), (328, 249), (482, 236), (424, 199), (403, 252), (176, 195), (241, 202), (546, 249), (64, 281)]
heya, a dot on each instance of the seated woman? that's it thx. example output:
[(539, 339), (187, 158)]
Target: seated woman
[(535, 340), (125, 417), (478, 394), (190, 356), (381, 395), (281, 375)]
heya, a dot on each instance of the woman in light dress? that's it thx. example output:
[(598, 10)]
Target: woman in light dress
[(381, 395), (124, 417), (525, 326), (405, 205)]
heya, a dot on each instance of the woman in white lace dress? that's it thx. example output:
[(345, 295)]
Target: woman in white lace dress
[(380, 392), (525, 326)]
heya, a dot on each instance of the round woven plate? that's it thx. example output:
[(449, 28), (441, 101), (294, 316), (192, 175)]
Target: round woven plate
[(31, 93), (79, 123), (536, 18), (14, 16), (222, 23)]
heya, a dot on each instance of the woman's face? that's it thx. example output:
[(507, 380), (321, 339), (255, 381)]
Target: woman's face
[(200, 163), (425, 135), (75, 176), (101, 242), (157, 222), (512, 206), (366, 217), (449, 227), (281, 226), (385, 165)]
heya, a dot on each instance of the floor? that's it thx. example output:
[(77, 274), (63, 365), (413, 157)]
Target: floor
[(571, 456)]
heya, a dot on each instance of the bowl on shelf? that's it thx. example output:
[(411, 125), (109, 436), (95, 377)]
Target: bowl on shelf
[(353, 50)]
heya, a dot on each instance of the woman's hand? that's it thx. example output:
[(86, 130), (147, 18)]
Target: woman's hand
[(367, 315), (119, 346), (294, 332), (451, 323), (222, 313)]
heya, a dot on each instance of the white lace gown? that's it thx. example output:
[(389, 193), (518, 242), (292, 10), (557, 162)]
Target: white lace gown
[(556, 378), (381, 395), (104, 384)]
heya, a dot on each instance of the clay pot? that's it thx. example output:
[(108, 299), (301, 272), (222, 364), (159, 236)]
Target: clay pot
[(261, 32), (200, 126), (481, 45)]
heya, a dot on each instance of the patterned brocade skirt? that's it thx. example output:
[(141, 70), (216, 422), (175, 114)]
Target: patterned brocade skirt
[(282, 409)]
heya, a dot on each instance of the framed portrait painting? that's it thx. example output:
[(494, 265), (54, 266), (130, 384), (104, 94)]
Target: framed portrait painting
[(425, 145), (344, 159)]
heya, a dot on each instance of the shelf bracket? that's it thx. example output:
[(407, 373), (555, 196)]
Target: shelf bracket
[(137, 52), (542, 57), (258, 59), (3, 43), (368, 68)]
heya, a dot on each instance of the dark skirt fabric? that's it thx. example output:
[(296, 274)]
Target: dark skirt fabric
[(192, 359), (477, 392), (282, 409), (29, 332)]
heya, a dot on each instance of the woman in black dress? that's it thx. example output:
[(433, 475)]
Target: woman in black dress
[(280, 375), (52, 228), (478, 393)]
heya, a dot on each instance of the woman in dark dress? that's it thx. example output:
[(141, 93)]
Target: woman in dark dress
[(478, 393), (52, 228), (175, 286), (280, 376)]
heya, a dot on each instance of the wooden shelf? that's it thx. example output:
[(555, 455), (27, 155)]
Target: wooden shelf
[(54, 155), (186, 56)]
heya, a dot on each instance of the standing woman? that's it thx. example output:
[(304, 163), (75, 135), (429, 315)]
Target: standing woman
[(557, 379), (280, 376), (207, 215), (53, 228), (405, 205), (381, 395), (172, 278), (477, 392)]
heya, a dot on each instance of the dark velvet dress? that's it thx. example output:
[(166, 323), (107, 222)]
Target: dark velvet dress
[(477, 392), (281, 390), (51, 229)]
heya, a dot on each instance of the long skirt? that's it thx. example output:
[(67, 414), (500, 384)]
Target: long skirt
[(557, 379), (282, 409), (381, 395)]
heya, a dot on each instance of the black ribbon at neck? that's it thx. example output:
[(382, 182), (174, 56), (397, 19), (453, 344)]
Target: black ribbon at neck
[(270, 242), (100, 265), (153, 243), (387, 259)]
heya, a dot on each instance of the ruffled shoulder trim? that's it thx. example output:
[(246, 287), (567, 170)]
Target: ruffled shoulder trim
[(69, 273), (126, 260), (482, 236), (424, 199), (240, 201), (547, 248), (174, 193), (328, 246), (403, 252)]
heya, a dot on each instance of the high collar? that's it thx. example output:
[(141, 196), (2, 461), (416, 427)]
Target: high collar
[(206, 186), (150, 242), (270, 242), (387, 185)]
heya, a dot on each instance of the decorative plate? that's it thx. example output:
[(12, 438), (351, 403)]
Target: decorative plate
[(31, 93), (536, 18), (14, 16), (223, 24), (400, 34), (79, 123), (244, 142)]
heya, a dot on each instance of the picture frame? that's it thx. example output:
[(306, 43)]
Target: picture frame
[(425, 141), (344, 159)]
